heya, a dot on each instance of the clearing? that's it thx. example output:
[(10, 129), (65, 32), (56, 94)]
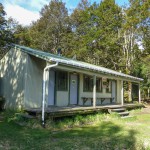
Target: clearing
[(103, 132)]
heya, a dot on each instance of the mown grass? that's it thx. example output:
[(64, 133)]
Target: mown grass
[(92, 132)]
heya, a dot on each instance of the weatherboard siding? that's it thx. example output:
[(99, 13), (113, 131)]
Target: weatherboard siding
[(33, 82), (62, 98), (12, 73)]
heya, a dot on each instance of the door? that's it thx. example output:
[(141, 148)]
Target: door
[(51, 89), (135, 92), (114, 91), (73, 88)]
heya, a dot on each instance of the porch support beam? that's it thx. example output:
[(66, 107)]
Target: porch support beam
[(139, 94), (122, 102), (94, 91), (130, 91)]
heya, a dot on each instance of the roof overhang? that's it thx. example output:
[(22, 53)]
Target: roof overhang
[(74, 63)]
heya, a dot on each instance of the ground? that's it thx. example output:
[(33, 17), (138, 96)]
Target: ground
[(100, 132)]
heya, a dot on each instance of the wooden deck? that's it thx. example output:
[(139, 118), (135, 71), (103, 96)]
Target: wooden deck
[(55, 111)]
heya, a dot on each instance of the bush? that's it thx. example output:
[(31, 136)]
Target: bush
[(2, 102)]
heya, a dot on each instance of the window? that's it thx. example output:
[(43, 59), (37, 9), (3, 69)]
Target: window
[(62, 80), (88, 84), (108, 86), (99, 84)]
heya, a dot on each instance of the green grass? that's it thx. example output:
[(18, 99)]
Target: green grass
[(92, 132)]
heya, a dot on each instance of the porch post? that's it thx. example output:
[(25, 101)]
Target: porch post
[(139, 94), (130, 91), (94, 91), (122, 93)]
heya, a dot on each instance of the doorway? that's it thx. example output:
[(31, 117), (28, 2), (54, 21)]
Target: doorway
[(51, 89), (73, 89)]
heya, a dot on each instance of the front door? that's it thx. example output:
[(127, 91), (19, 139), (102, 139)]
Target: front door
[(114, 91), (51, 89), (73, 88)]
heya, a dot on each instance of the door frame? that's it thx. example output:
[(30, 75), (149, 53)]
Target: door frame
[(69, 74), (54, 87)]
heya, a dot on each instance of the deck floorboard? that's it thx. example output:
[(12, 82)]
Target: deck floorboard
[(74, 110)]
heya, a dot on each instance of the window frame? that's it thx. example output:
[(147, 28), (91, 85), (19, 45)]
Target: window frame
[(59, 75), (88, 89), (100, 89)]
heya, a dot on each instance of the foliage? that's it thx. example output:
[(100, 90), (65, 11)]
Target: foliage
[(92, 25), (136, 18), (3, 33), (2, 24), (22, 35), (6, 35), (52, 30), (105, 34)]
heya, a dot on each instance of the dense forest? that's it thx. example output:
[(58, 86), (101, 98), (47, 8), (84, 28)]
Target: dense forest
[(105, 34)]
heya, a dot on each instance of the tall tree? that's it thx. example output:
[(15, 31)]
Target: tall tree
[(80, 20), (6, 32), (135, 27), (107, 43), (135, 32), (97, 29), (22, 35), (52, 30), (3, 24)]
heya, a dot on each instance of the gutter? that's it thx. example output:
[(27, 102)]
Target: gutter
[(44, 89)]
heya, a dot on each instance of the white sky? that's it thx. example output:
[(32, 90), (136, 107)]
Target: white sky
[(23, 11), (26, 11), (20, 14)]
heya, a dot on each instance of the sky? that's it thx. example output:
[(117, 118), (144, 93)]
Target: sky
[(26, 11)]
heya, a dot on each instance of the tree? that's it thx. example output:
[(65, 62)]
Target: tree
[(96, 27), (107, 43), (80, 20), (135, 33), (3, 24), (6, 32), (53, 29), (22, 35)]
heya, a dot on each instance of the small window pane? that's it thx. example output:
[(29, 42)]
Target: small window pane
[(62, 80), (87, 83), (98, 84)]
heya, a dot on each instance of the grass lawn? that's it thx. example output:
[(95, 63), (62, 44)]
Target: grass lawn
[(105, 132)]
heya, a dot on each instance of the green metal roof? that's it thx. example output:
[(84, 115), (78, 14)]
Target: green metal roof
[(67, 61)]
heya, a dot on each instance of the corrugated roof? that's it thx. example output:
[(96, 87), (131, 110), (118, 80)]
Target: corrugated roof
[(75, 63)]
